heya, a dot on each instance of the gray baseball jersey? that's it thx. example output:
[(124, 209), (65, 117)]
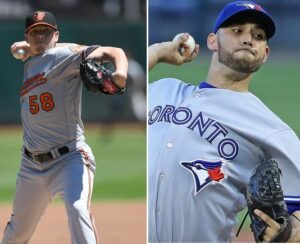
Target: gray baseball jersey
[(203, 144), (51, 100), (56, 159)]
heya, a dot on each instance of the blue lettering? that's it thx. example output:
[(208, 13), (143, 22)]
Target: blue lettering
[(228, 149), (199, 122), (219, 129), (184, 118), (166, 113), (155, 110)]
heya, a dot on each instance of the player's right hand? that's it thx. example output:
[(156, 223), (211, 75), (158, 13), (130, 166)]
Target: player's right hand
[(183, 51), (21, 45), (171, 52)]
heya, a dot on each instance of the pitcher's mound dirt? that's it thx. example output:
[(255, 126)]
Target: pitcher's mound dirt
[(116, 222)]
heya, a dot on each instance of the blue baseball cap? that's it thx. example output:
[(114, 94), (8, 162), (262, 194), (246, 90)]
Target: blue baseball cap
[(240, 9)]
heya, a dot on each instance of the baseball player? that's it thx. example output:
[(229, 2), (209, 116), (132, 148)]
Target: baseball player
[(204, 141), (56, 160)]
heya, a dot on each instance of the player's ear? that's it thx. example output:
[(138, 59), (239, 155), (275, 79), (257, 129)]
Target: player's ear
[(212, 42), (56, 36), (267, 52), (25, 37)]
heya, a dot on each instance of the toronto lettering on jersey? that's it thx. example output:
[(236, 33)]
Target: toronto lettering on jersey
[(227, 147), (33, 82)]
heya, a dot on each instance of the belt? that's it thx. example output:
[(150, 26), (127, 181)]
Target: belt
[(46, 156)]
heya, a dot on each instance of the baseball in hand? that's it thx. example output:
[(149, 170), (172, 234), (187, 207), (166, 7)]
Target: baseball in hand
[(188, 46), (19, 54)]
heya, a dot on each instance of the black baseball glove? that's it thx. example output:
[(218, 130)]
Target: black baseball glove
[(97, 78), (265, 193)]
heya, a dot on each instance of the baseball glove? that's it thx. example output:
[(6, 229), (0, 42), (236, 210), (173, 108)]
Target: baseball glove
[(97, 78), (265, 193)]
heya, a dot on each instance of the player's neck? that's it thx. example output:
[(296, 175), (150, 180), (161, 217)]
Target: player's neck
[(223, 77)]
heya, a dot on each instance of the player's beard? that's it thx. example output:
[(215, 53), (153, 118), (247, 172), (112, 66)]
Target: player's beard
[(40, 49), (244, 65), (42, 44)]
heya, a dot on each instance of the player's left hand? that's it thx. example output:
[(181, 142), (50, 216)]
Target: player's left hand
[(272, 228), (100, 79), (119, 78)]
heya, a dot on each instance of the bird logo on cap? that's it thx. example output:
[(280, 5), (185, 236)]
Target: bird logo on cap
[(39, 16), (251, 6)]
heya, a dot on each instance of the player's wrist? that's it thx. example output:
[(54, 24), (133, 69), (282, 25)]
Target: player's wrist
[(295, 236), (165, 52)]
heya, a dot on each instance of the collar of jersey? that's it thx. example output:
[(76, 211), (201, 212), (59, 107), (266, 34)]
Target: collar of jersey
[(205, 85)]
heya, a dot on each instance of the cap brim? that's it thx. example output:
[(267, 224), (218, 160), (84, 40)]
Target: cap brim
[(41, 23), (260, 17)]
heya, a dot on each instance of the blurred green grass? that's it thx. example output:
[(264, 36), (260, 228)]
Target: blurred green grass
[(277, 84), (120, 154)]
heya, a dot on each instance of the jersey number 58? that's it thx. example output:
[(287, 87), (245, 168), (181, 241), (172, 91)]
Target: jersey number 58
[(44, 101)]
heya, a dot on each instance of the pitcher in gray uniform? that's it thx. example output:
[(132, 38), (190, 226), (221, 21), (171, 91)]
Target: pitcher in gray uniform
[(56, 159), (204, 141)]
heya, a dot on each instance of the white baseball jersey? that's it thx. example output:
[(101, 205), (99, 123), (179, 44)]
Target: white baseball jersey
[(203, 144)]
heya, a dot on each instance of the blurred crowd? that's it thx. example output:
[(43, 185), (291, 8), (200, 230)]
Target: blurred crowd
[(168, 17), (129, 16), (18, 9)]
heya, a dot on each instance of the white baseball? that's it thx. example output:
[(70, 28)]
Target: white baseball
[(189, 43), (19, 54)]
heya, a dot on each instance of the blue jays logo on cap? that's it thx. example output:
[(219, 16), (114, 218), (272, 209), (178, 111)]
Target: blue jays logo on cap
[(246, 8), (250, 5), (205, 172)]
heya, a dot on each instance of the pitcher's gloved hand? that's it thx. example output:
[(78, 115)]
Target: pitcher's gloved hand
[(97, 78), (265, 193)]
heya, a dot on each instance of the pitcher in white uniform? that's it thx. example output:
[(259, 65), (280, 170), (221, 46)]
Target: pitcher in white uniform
[(56, 159), (204, 141)]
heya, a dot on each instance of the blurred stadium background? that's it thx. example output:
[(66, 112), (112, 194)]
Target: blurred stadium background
[(277, 83), (167, 17), (115, 125), (118, 23)]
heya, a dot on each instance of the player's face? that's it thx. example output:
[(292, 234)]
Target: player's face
[(41, 38), (242, 47)]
